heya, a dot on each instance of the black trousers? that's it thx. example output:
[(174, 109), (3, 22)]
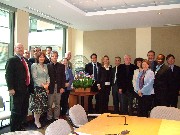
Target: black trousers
[(19, 111), (104, 99), (64, 102), (126, 103), (172, 100), (144, 105), (94, 88), (116, 98)]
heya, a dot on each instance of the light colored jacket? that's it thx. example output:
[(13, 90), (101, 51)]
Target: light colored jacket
[(148, 83)]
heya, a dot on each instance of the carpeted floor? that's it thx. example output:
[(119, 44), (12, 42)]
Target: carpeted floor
[(29, 126)]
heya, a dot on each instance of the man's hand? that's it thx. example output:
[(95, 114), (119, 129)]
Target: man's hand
[(99, 87), (61, 90), (11, 92), (120, 91)]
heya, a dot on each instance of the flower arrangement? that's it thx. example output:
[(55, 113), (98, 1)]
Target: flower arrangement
[(82, 80)]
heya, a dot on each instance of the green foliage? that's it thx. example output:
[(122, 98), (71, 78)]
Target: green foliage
[(82, 81)]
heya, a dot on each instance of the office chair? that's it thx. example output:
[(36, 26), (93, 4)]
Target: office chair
[(58, 127), (78, 116), (3, 113), (163, 112)]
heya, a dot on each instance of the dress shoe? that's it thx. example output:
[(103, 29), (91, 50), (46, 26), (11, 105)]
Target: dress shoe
[(22, 128)]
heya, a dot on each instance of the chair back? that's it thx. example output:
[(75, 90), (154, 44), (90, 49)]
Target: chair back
[(1, 102), (58, 127), (78, 115), (163, 112)]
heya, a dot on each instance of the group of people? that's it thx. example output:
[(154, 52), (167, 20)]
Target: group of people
[(42, 77), (150, 81), (48, 81)]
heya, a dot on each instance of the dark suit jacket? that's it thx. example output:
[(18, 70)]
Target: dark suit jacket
[(161, 82), (174, 81), (16, 75), (58, 76), (124, 80), (89, 70), (104, 76), (153, 66)]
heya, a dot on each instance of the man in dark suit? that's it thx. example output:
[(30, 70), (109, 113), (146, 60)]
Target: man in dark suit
[(125, 74), (151, 59), (57, 84), (33, 59), (92, 68), (18, 79), (174, 81), (115, 90), (161, 81)]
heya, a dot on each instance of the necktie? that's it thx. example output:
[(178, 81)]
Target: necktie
[(172, 68), (95, 71), (115, 75), (27, 72), (141, 80)]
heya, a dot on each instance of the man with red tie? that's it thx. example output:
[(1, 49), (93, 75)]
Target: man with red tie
[(18, 79)]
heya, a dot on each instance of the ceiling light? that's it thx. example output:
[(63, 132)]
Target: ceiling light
[(46, 15), (171, 24), (159, 13)]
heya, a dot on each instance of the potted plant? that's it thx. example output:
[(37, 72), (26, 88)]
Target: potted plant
[(82, 82)]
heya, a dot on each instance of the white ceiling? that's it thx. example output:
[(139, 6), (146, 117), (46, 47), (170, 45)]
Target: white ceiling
[(88, 15)]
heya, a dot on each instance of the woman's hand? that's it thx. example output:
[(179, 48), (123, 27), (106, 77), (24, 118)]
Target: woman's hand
[(140, 93), (45, 86), (47, 91), (67, 84)]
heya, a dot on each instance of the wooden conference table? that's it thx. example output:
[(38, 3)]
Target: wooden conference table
[(114, 124)]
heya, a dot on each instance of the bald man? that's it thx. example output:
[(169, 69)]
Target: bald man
[(18, 79)]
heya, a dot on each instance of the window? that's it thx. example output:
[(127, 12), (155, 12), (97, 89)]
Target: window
[(6, 44), (43, 33)]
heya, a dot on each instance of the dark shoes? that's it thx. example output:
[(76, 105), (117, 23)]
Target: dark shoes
[(63, 117)]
